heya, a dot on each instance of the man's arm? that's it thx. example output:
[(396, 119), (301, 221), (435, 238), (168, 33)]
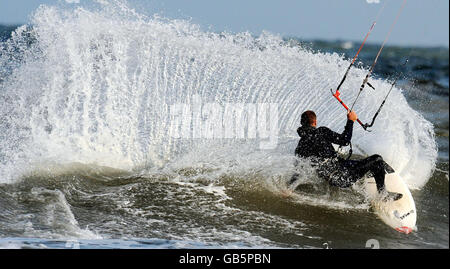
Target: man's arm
[(346, 136), (336, 138)]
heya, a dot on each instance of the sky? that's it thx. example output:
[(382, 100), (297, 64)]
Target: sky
[(421, 23)]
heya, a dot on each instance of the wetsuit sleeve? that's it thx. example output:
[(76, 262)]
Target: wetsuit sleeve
[(336, 138)]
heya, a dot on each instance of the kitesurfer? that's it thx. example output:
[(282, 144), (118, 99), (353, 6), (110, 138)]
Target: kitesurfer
[(316, 144)]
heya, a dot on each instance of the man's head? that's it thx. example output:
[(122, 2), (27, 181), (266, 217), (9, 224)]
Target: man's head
[(309, 118)]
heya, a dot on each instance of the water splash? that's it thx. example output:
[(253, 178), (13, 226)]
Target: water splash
[(95, 85)]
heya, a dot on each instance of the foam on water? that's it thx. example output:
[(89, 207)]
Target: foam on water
[(96, 85)]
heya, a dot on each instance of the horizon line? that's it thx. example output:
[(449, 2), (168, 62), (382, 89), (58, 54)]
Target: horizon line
[(300, 39)]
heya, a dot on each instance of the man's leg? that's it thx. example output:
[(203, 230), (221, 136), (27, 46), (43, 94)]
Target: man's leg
[(337, 175), (374, 164)]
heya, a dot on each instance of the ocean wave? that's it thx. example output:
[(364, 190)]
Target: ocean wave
[(98, 85)]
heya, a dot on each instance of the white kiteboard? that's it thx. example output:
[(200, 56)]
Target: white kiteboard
[(400, 214)]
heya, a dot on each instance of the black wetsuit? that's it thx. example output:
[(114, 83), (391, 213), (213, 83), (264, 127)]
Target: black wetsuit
[(316, 144)]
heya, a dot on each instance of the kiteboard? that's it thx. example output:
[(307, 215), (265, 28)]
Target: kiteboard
[(400, 214)]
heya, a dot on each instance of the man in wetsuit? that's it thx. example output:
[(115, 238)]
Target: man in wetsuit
[(316, 144)]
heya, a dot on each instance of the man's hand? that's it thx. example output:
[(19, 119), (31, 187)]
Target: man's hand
[(352, 116)]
